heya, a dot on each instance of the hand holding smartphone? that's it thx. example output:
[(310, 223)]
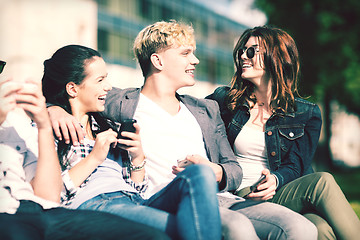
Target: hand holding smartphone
[(184, 163), (126, 126), (253, 188), (244, 192)]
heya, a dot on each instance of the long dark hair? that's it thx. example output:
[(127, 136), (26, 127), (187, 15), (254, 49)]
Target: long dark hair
[(281, 63), (68, 65)]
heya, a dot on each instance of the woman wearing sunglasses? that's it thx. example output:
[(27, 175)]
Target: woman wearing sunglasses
[(275, 133)]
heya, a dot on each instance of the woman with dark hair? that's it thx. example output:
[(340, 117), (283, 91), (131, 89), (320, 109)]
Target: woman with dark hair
[(275, 133), (30, 178), (107, 173)]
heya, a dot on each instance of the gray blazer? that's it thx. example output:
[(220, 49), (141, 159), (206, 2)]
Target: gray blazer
[(121, 104)]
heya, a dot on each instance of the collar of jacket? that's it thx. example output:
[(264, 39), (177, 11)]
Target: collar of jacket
[(278, 112)]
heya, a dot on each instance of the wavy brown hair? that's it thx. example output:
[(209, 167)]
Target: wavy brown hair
[(281, 63)]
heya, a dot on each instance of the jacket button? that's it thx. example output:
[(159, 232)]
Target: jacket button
[(291, 134), (269, 133), (273, 154)]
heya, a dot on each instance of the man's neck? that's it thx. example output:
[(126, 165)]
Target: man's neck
[(162, 94)]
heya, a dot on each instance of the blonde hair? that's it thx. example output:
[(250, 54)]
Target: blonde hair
[(158, 37)]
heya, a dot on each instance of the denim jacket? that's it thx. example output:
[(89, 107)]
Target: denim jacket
[(291, 138)]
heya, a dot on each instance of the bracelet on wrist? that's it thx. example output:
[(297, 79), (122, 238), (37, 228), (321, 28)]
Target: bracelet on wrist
[(134, 168)]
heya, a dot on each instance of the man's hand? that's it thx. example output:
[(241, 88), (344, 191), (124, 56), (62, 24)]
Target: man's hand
[(197, 159), (65, 125)]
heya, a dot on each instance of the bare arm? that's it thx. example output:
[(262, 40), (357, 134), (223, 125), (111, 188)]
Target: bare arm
[(47, 182)]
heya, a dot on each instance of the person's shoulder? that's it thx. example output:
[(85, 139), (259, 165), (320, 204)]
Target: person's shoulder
[(119, 93), (219, 93), (199, 101), (211, 107), (123, 91), (222, 90), (303, 105), (301, 101)]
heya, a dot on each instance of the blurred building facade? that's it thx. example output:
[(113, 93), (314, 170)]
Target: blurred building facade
[(31, 31)]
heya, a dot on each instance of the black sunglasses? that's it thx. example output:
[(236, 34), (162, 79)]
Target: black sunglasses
[(250, 52), (2, 65)]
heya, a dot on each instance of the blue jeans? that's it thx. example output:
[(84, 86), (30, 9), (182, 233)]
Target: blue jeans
[(187, 208), (272, 221), (32, 222)]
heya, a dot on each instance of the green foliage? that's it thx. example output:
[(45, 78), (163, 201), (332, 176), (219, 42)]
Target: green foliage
[(327, 33)]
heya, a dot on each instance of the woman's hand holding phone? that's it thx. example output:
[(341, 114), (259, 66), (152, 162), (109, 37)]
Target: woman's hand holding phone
[(102, 145), (129, 139), (266, 189)]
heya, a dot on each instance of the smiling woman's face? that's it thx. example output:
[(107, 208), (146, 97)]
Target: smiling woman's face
[(252, 68), (91, 93)]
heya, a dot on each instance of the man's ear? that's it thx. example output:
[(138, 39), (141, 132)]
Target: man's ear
[(71, 89), (156, 61)]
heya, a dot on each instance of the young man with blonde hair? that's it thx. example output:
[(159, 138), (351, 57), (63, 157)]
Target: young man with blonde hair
[(180, 127)]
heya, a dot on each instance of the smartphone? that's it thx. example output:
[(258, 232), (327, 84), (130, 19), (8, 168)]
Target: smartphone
[(253, 188), (184, 163), (126, 126)]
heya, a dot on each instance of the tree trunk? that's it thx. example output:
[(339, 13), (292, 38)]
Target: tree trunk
[(327, 157)]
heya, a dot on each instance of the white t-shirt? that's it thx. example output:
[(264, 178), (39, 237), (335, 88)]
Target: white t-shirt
[(166, 139), (18, 156), (250, 152)]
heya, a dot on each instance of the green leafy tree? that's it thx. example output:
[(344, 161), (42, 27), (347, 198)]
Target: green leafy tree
[(327, 33)]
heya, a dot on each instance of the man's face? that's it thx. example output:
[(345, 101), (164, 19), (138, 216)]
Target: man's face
[(178, 65)]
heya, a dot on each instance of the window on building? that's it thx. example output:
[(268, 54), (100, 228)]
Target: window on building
[(144, 9), (103, 41), (103, 3)]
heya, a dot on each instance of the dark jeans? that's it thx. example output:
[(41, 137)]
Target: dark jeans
[(31, 221)]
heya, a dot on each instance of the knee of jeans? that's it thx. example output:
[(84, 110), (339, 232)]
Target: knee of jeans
[(303, 230), (235, 224)]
